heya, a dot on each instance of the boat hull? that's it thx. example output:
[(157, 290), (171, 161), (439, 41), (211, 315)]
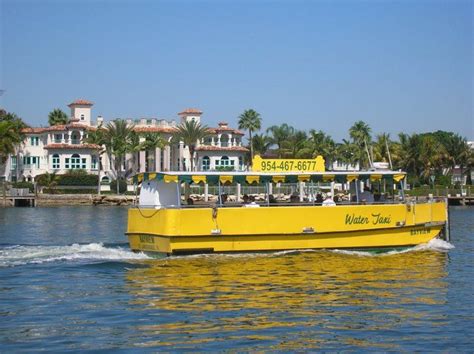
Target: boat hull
[(239, 229)]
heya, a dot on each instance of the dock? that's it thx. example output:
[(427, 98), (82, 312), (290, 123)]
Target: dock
[(19, 197), (461, 200)]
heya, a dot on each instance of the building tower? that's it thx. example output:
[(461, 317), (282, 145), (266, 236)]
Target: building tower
[(81, 111), (190, 114)]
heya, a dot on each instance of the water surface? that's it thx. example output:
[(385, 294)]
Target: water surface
[(68, 281)]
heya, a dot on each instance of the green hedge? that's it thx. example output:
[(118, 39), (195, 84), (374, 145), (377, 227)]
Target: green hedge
[(28, 185), (71, 179), (69, 191)]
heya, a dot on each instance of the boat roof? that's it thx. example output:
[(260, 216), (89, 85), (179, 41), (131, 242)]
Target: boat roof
[(250, 177)]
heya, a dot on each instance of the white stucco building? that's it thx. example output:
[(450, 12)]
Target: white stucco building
[(61, 148)]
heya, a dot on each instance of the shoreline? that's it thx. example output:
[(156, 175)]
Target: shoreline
[(44, 200)]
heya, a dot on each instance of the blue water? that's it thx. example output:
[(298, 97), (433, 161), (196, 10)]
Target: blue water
[(68, 282)]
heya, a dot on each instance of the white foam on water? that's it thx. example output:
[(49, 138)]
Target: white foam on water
[(435, 244), (21, 255)]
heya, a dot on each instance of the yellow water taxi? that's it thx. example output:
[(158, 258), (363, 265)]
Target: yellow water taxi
[(166, 221)]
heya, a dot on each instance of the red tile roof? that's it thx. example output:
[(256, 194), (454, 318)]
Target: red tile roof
[(190, 111), (154, 129), (60, 127), (73, 146), (225, 129), (217, 148), (81, 102)]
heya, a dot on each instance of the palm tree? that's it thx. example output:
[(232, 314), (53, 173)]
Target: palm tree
[(409, 153), (345, 151), (11, 134), (382, 148), (49, 180), (458, 151), (190, 132), (97, 137), (251, 121), (117, 143), (298, 145), (134, 147), (279, 135), (360, 135), (431, 154), (151, 143), (57, 117), (261, 143), (322, 144)]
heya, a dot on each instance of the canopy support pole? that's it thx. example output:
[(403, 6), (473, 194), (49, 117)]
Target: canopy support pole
[(219, 191), (356, 181), (267, 190), (178, 190)]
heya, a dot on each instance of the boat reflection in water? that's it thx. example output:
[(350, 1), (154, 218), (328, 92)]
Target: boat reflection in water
[(282, 301)]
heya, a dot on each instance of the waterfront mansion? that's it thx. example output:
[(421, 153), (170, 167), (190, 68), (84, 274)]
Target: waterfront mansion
[(61, 148)]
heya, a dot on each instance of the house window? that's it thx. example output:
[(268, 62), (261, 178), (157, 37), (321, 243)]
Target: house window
[(13, 163), (84, 163), (206, 163), (74, 162), (75, 138), (224, 140), (58, 138), (94, 163), (56, 163), (34, 141), (224, 161), (82, 117), (30, 161), (241, 162)]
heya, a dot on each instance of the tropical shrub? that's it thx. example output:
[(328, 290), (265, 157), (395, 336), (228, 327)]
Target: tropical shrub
[(122, 185), (24, 184)]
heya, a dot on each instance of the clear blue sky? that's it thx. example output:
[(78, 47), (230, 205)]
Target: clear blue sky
[(400, 66)]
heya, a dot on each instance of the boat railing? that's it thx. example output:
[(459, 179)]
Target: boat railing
[(278, 204)]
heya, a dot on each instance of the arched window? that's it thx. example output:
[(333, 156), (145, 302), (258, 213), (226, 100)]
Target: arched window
[(105, 180), (56, 162), (206, 163), (74, 162), (225, 161)]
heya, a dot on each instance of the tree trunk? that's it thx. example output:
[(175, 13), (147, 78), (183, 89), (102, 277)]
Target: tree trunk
[(191, 152), (117, 168), (98, 175), (251, 147)]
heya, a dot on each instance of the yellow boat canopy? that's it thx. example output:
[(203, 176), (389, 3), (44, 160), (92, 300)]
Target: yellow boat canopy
[(224, 178)]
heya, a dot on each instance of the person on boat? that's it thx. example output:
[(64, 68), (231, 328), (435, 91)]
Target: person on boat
[(366, 196), (329, 201), (294, 198), (319, 198), (246, 199), (190, 201), (252, 203), (224, 198), (271, 199)]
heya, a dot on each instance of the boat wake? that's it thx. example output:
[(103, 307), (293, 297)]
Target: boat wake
[(23, 255), (435, 244)]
